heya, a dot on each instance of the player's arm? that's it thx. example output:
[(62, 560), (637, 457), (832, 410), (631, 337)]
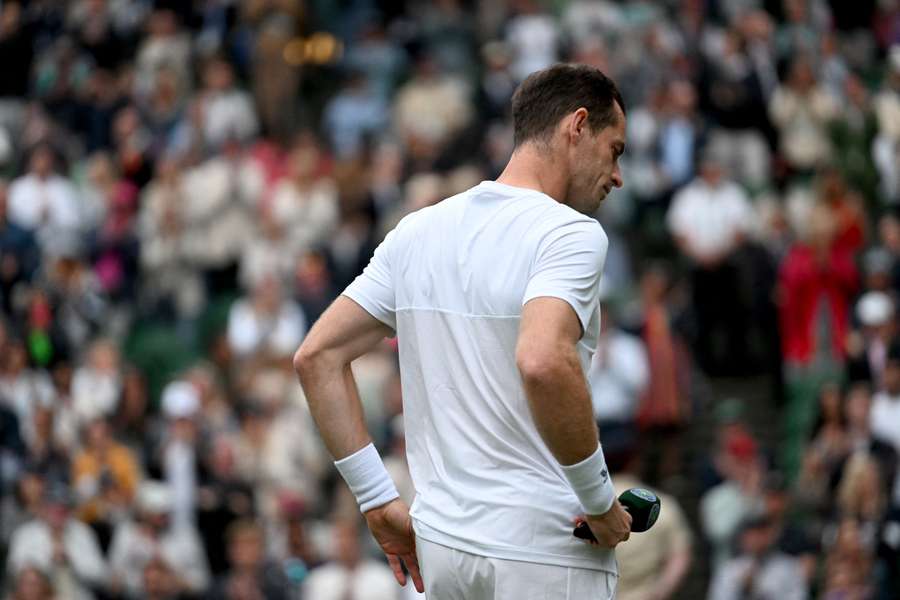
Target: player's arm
[(548, 362), (557, 391), (345, 332)]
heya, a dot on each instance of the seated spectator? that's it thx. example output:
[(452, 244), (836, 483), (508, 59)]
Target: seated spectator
[(105, 477), (802, 110), (724, 507), (759, 570), (794, 537), (178, 455), (266, 322), (884, 418), (60, 546), (350, 573), (229, 113), (861, 495), (43, 201), (166, 258), (654, 563), (151, 537), (97, 384), (868, 347), (444, 97), (250, 575), (19, 253), (223, 497), (859, 427), (23, 389), (24, 503), (618, 376), (355, 112), (31, 584), (848, 565), (305, 202)]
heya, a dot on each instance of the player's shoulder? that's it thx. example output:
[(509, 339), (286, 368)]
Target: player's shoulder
[(562, 221)]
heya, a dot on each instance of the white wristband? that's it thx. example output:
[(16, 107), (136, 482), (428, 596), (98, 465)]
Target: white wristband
[(591, 483), (369, 481)]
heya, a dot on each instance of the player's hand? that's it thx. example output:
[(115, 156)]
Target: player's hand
[(611, 527), (392, 527)]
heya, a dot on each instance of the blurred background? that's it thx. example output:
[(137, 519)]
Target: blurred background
[(186, 185)]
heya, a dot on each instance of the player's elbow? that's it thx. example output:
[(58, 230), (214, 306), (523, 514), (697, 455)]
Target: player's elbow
[(306, 358), (538, 366)]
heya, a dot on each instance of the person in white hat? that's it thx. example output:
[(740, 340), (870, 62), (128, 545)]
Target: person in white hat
[(150, 535)]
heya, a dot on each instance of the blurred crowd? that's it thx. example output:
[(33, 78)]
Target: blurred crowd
[(186, 185)]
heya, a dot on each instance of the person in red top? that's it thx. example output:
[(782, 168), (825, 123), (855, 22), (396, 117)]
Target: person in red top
[(817, 282)]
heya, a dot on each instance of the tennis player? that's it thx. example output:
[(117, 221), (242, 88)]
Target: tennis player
[(493, 296)]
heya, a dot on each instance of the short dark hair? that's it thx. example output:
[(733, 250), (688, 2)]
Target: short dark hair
[(546, 96)]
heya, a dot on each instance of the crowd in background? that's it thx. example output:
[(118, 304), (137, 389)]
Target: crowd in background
[(187, 185)]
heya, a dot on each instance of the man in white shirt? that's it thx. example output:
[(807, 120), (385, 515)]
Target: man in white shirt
[(61, 546), (493, 295), (43, 201), (709, 220)]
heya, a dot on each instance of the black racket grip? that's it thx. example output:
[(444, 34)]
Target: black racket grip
[(583, 531)]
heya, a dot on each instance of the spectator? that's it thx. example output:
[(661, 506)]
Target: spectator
[(43, 201), (19, 254), (848, 565), (166, 258), (664, 407), (653, 565), (223, 497), (97, 384), (443, 97), (105, 477), (709, 220), (31, 584), (724, 507), (350, 573), (859, 426), (355, 113), (23, 390), (759, 570), (802, 111), (151, 537), (251, 574), (817, 281), (305, 203), (61, 546), (266, 322), (884, 418), (166, 48), (868, 348), (618, 377), (886, 151), (178, 452), (228, 111), (533, 37)]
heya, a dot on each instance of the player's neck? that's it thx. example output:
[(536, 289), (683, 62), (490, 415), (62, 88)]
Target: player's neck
[(533, 168)]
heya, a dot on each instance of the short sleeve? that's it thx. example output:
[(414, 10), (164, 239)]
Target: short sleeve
[(568, 265), (373, 289)]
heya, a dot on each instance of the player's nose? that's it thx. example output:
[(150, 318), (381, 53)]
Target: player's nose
[(617, 177)]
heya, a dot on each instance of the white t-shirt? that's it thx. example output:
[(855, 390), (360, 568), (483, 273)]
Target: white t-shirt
[(451, 280), (884, 418), (710, 217)]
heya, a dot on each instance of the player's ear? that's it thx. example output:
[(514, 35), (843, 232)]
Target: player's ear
[(579, 121), (574, 125)]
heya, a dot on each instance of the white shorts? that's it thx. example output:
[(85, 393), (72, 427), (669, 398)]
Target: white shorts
[(451, 574)]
